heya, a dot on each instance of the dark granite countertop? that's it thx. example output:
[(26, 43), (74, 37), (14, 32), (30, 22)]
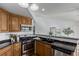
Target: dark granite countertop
[(5, 43), (59, 37)]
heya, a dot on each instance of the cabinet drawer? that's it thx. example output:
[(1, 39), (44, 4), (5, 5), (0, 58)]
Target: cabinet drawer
[(17, 44)]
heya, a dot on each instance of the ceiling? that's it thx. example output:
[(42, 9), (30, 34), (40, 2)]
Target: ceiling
[(52, 10), (57, 7), (15, 8), (65, 11)]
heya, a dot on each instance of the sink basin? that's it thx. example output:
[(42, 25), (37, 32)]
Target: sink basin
[(48, 40)]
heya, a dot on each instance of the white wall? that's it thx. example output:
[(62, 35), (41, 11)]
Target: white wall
[(43, 24)]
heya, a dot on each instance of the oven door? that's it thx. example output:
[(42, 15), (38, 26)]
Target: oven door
[(27, 46)]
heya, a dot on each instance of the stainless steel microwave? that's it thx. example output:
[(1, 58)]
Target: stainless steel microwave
[(26, 28)]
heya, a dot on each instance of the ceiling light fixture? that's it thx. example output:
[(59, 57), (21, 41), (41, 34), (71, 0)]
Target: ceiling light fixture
[(43, 9), (34, 7), (24, 5)]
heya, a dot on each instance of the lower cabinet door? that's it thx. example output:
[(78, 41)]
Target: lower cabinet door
[(47, 51), (16, 53), (17, 49), (43, 49), (9, 53), (12, 50), (39, 49)]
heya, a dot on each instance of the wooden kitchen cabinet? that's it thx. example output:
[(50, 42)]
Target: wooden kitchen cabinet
[(10, 22), (17, 49), (48, 51), (15, 26), (9, 53), (25, 20), (11, 50), (39, 48), (43, 49), (4, 17), (29, 21)]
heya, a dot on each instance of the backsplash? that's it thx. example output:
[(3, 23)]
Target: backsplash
[(4, 36)]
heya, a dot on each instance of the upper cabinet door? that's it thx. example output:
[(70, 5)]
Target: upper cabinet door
[(4, 22), (29, 21), (15, 27), (25, 20), (4, 25)]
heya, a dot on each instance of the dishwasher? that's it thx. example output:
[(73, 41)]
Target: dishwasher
[(60, 53)]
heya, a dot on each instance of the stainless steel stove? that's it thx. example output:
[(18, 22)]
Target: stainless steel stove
[(27, 46)]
